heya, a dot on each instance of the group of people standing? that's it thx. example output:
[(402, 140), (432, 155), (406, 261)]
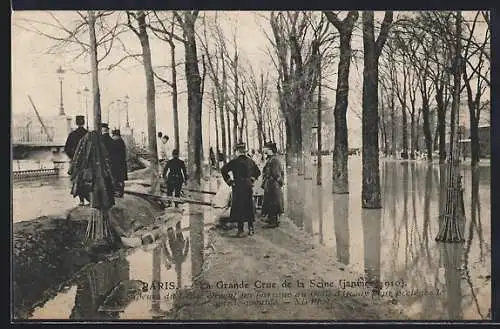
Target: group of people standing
[(114, 155), (245, 172)]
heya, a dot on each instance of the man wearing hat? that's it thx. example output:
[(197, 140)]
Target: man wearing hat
[(245, 172), (73, 140), (107, 140), (118, 158)]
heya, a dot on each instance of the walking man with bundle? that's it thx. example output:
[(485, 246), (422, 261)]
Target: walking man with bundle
[(245, 172)]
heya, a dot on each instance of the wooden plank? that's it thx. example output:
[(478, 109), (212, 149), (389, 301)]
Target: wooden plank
[(185, 189), (165, 198)]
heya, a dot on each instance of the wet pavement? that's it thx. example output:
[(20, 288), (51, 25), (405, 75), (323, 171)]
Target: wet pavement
[(394, 244)]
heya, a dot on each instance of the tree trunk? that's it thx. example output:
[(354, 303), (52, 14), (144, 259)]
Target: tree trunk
[(319, 162), (340, 175), (393, 126), (150, 100), (96, 99), (194, 100), (306, 138), (174, 97), (217, 145), (222, 124), (372, 48), (427, 127), (259, 136), (236, 88), (474, 138), (441, 124), (225, 121), (412, 133), (229, 138)]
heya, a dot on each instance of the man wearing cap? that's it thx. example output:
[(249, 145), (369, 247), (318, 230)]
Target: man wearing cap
[(245, 172), (118, 158), (72, 141)]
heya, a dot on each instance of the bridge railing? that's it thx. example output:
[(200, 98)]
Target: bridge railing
[(31, 135)]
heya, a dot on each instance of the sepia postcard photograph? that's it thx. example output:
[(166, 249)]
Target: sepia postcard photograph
[(250, 165)]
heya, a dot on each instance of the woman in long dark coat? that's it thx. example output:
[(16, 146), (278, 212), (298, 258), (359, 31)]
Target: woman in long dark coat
[(272, 183)]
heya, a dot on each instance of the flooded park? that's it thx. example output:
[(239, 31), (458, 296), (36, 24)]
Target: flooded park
[(333, 166), (395, 244)]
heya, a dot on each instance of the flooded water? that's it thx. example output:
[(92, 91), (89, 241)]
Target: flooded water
[(396, 243), (393, 244), (42, 196), (140, 283)]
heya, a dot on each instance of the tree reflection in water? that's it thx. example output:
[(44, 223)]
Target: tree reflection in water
[(451, 260), (475, 223), (341, 227), (197, 234), (96, 283), (371, 221)]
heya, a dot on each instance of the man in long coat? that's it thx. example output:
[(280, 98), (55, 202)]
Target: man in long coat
[(72, 141), (272, 183), (245, 172), (107, 140), (119, 162)]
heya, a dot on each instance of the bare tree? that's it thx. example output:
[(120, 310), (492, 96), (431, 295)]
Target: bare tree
[(187, 21), (258, 96), (371, 197), (141, 32), (214, 61), (296, 78), (345, 27), (93, 33), (475, 70), (168, 35), (101, 36)]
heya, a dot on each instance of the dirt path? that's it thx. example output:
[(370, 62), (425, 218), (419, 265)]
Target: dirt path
[(277, 255)]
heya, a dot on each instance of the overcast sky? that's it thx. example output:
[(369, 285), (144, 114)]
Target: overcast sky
[(34, 72)]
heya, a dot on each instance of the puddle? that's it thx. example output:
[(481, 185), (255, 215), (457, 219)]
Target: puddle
[(141, 283)]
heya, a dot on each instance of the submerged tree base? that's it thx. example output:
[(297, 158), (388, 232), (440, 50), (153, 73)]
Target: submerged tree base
[(451, 228), (451, 231)]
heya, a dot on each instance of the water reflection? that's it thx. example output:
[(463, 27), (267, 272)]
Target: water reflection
[(116, 288), (341, 226), (451, 261), (197, 233), (95, 285), (371, 221), (320, 215), (397, 241), (179, 248)]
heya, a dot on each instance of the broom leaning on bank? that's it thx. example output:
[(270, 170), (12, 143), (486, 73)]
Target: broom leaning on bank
[(90, 170)]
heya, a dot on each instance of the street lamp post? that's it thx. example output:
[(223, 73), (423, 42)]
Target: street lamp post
[(86, 93), (60, 73), (79, 97)]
